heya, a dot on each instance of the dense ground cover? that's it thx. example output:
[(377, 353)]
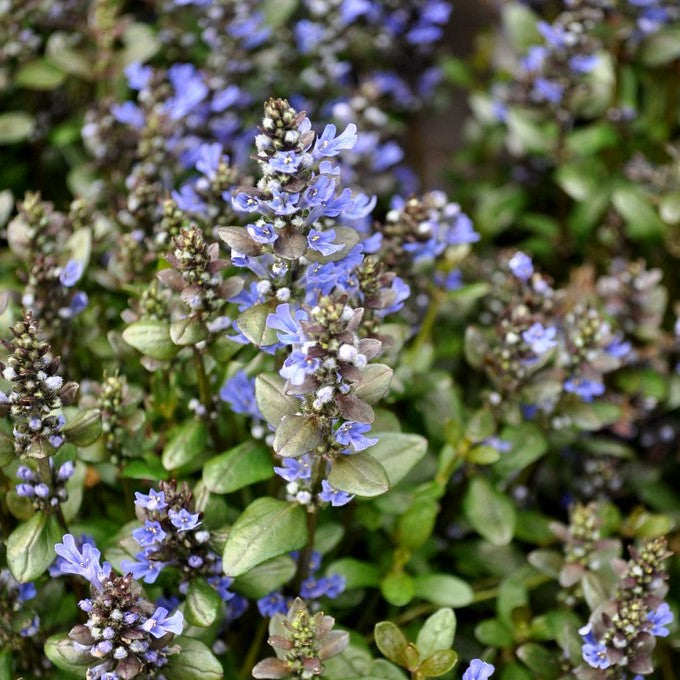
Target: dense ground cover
[(273, 406)]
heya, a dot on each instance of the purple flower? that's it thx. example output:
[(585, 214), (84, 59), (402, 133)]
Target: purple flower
[(128, 113), (295, 468), (659, 619), (298, 366), (188, 200), (331, 495), (330, 145), (539, 338), (288, 325), (352, 434), (150, 534), (262, 233), (478, 670), (594, 653), (154, 501), (283, 203), (25, 490), (583, 63), (547, 90), (84, 562), (143, 568), (209, 156), (138, 76), (160, 623), (521, 266), (183, 519), (618, 348), (322, 241), (286, 162), (71, 273), (27, 591), (271, 604), (239, 393), (501, 445), (554, 36), (320, 191), (243, 202), (584, 388), (65, 471)]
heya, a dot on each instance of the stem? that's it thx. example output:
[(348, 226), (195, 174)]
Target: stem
[(254, 649), (428, 322), (205, 397), (312, 518), (45, 473)]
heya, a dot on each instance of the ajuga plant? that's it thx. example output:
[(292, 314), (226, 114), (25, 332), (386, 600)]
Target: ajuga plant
[(271, 408)]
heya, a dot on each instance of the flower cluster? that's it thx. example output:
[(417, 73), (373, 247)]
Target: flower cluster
[(172, 536), (302, 642), (621, 633), (125, 636)]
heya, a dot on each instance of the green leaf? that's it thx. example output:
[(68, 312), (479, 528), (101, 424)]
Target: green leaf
[(490, 512), (59, 650), (59, 53), (6, 665), (39, 75), (528, 445), (635, 207), (443, 590), (186, 446), (30, 547), (15, 126), (245, 464), (398, 453), (392, 643), (296, 435), (662, 47), (266, 528), (6, 449), (188, 331), (415, 526), (194, 662), (398, 589), (203, 603), (266, 577), (272, 400), (84, 429), (439, 663), (278, 12), (148, 467), (151, 337), (494, 633), (437, 632), (357, 574), (359, 474), (669, 207), (374, 384), (539, 660), (253, 324)]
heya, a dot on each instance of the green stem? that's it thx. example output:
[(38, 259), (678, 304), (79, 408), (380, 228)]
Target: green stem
[(428, 322), (205, 396), (253, 650), (312, 520)]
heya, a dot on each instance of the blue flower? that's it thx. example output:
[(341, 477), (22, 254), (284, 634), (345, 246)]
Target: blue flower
[(555, 36), (331, 495), (618, 348), (150, 534), (286, 162), (239, 393), (128, 113), (262, 233), (584, 388), (183, 519), (138, 76), (583, 63), (295, 468), (190, 90), (154, 501), (27, 591), (462, 231), (84, 562), (660, 618), (188, 200), (547, 90), (320, 191), (71, 273), (209, 156), (322, 241), (330, 145), (539, 338), (521, 266), (243, 202), (271, 604), (290, 331), (534, 58), (595, 653), (143, 568), (478, 670), (501, 445), (160, 624), (352, 434), (283, 203), (298, 366)]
